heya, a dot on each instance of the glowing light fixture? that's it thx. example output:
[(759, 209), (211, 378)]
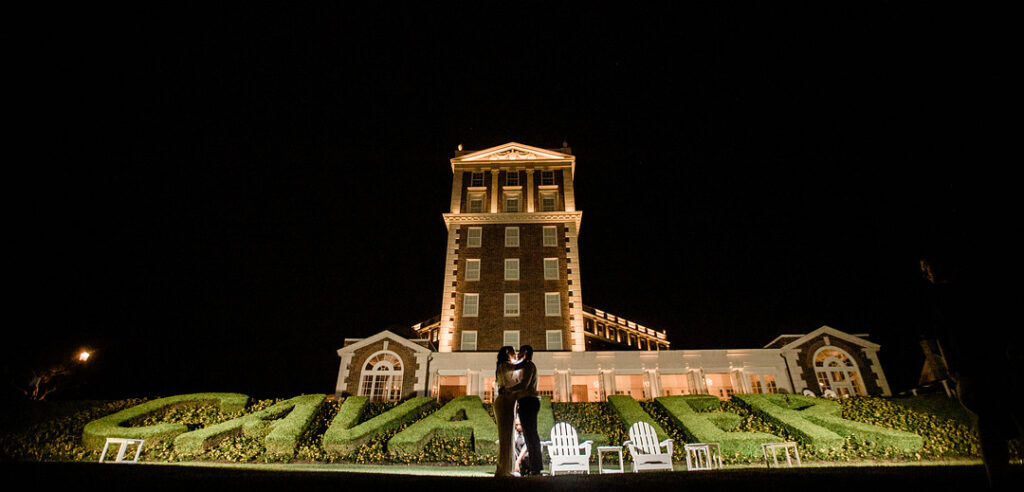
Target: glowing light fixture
[(83, 356)]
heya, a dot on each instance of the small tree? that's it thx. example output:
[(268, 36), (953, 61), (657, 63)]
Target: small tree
[(53, 378)]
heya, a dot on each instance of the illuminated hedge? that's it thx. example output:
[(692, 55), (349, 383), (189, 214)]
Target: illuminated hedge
[(709, 427), (545, 418), (281, 426), (630, 412), (463, 417), (344, 436), (95, 433), (819, 422)]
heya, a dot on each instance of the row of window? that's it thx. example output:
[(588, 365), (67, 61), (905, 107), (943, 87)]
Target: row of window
[(547, 178), (512, 269), (552, 304), (474, 236), (511, 338), (548, 202)]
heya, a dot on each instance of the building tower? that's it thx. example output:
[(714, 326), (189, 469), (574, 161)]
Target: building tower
[(512, 272)]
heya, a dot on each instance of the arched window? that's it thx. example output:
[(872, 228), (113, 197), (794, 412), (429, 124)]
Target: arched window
[(382, 377), (837, 371)]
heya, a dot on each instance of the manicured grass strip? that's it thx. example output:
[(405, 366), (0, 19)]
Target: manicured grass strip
[(95, 433)]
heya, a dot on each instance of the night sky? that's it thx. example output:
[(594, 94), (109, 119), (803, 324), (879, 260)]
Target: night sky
[(214, 200)]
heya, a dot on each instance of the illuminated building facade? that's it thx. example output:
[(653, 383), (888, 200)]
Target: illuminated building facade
[(512, 277)]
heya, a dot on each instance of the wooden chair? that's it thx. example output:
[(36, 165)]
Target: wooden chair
[(645, 450), (566, 452)]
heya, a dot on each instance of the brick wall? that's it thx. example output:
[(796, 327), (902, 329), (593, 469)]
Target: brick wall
[(491, 321), (806, 358), (359, 357)]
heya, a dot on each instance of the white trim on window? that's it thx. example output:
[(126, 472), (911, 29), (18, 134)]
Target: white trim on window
[(552, 304), (550, 268), (554, 339), (476, 179), (511, 268), (470, 305), (473, 269), (476, 203), (550, 235), (548, 201), (474, 237), (547, 178), (511, 237), (468, 341), (511, 304), (511, 338)]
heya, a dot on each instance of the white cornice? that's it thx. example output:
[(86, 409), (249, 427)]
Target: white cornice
[(517, 218)]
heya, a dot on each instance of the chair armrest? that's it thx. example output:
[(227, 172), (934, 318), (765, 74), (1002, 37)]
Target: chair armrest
[(668, 444), (587, 446)]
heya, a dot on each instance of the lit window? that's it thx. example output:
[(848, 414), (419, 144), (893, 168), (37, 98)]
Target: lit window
[(554, 339), (512, 305), (550, 268), (476, 179), (550, 235), (511, 338), (547, 202), (473, 269), (547, 177), (382, 377), (468, 340), (476, 203), (511, 268), (769, 383), (512, 237), (512, 204), (474, 237), (755, 384), (552, 304), (512, 178), (470, 304)]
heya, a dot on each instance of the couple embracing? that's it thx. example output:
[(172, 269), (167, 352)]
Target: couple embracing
[(517, 384)]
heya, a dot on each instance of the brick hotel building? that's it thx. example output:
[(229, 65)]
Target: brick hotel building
[(512, 277)]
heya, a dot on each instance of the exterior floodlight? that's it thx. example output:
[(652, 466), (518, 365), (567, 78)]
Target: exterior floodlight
[(83, 356)]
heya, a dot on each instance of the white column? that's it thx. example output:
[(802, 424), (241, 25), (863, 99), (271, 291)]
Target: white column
[(577, 343), (456, 204), (570, 195), (494, 191), (446, 333), (529, 190)]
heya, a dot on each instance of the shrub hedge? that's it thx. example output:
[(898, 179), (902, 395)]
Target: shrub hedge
[(119, 424), (800, 413), (345, 436), (630, 412), (461, 418), (280, 426), (705, 427), (61, 434)]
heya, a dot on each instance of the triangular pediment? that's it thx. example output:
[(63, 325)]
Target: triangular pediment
[(828, 330), (512, 151), (385, 335)]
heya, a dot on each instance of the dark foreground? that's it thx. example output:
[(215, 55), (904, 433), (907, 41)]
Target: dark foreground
[(70, 476)]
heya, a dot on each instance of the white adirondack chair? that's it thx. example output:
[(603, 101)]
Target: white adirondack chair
[(647, 453), (566, 452)]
